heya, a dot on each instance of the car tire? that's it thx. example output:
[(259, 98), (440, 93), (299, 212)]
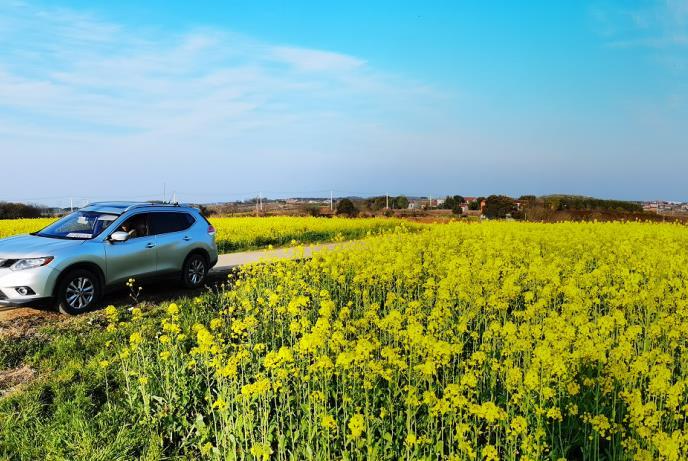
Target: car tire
[(79, 291), (194, 271)]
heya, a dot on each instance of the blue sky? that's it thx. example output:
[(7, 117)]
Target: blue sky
[(223, 100)]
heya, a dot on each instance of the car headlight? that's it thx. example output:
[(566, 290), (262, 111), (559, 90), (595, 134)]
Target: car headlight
[(30, 263)]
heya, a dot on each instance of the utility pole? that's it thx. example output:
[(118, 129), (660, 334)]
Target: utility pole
[(331, 201), (387, 198), (174, 197)]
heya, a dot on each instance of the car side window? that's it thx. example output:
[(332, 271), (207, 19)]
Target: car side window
[(136, 226), (168, 222)]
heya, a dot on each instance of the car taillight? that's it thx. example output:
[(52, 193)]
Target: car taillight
[(211, 229)]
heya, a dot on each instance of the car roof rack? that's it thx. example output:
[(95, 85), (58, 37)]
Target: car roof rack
[(152, 204), (126, 206)]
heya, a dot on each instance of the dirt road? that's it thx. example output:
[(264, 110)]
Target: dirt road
[(229, 261)]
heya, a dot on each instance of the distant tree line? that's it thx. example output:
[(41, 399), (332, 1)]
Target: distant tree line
[(568, 202), (529, 207), (379, 203), (10, 210)]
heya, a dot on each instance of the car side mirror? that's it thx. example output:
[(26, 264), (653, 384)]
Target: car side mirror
[(119, 236)]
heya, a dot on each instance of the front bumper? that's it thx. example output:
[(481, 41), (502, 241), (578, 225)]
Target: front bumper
[(41, 280), (27, 302)]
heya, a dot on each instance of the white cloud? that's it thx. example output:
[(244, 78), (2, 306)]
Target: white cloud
[(657, 25), (679, 10), (89, 72), (656, 42), (315, 60), (73, 85)]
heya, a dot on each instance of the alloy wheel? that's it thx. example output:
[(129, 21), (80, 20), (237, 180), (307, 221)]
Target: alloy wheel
[(80, 292), (196, 271)]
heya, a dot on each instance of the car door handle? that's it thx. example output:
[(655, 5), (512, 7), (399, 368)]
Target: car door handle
[(150, 245), (187, 238)]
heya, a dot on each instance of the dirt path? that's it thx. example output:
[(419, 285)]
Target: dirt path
[(231, 260), (160, 291)]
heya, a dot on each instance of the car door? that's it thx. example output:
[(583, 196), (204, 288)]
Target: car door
[(171, 230), (135, 257)]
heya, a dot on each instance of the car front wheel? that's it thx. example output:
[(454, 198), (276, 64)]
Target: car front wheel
[(194, 271), (79, 291)]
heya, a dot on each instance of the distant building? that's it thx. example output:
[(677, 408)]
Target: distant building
[(662, 206), (50, 212)]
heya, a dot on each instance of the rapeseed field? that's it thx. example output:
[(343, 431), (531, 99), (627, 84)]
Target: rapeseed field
[(246, 233), (498, 340)]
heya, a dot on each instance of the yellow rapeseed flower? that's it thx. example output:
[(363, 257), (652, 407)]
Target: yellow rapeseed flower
[(356, 425)]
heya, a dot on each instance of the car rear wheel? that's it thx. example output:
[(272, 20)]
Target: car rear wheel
[(79, 291), (194, 271)]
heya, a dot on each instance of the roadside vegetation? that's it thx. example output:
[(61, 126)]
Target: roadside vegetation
[(503, 340)]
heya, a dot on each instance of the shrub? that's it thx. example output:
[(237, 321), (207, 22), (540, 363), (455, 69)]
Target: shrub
[(313, 210), (499, 206), (347, 208)]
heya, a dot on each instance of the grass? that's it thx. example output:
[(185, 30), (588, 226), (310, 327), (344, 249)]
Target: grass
[(75, 407), (65, 412)]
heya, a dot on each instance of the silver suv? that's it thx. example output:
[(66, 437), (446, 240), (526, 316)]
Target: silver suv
[(77, 258)]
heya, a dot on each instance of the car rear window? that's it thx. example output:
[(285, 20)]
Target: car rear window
[(166, 222)]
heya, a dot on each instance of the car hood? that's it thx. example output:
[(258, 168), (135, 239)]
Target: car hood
[(33, 246)]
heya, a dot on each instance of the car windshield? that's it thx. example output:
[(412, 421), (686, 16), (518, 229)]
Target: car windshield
[(80, 225)]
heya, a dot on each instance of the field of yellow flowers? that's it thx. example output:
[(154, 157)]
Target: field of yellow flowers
[(464, 341), (240, 233), (243, 233), (10, 227)]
